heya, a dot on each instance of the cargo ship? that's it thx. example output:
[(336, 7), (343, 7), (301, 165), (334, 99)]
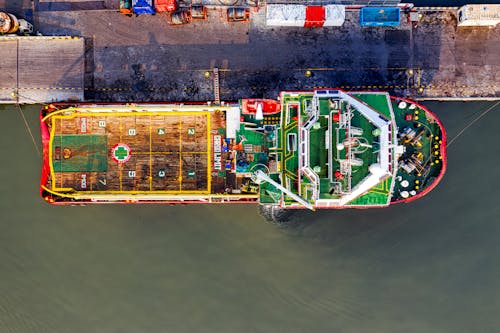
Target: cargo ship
[(324, 148)]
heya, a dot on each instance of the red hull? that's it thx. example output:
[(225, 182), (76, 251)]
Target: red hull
[(442, 151)]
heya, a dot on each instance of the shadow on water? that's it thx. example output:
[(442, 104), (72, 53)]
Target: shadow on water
[(329, 226)]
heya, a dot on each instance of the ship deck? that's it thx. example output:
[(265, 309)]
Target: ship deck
[(325, 160), (330, 149), (132, 152)]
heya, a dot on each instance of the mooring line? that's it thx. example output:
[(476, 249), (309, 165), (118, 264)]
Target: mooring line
[(471, 123), (29, 130)]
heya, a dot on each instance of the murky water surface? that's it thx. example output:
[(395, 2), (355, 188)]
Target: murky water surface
[(429, 266)]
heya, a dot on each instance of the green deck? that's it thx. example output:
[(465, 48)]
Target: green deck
[(319, 152), (378, 195), (289, 126), (430, 148), (89, 153), (325, 134), (368, 156), (269, 194), (317, 146), (254, 149), (377, 101)]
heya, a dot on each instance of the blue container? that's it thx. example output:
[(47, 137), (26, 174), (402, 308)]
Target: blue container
[(143, 7), (379, 16)]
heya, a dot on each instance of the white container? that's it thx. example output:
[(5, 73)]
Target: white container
[(297, 15), (478, 15)]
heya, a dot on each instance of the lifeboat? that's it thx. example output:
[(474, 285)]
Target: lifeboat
[(260, 107)]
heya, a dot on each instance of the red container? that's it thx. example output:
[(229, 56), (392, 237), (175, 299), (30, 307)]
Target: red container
[(165, 5)]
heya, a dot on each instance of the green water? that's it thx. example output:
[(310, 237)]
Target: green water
[(429, 266)]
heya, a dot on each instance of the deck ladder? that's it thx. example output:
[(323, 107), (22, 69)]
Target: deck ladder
[(216, 86)]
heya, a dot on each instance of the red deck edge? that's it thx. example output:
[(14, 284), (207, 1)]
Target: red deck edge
[(45, 151), (442, 151)]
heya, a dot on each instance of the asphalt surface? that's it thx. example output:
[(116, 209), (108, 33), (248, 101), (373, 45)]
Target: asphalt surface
[(143, 58)]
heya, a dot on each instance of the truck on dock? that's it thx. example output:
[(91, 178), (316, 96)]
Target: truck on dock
[(379, 16), (143, 7), (479, 15)]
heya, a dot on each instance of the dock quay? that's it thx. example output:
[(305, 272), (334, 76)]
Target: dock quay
[(144, 58), (41, 68)]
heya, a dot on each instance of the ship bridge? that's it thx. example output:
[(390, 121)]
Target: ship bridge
[(338, 148)]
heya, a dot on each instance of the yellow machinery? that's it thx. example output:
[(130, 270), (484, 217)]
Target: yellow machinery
[(9, 24)]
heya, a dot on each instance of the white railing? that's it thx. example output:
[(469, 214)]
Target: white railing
[(314, 179)]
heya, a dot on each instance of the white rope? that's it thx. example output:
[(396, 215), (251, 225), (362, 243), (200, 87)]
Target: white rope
[(29, 129), (471, 123)]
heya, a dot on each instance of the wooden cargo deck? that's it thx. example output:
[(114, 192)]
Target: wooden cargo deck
[(133, 152)]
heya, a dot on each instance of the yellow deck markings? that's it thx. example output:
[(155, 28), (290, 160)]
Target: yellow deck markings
[(120, 173), (209, 155), (288, 154), (167, 152), (120, 165), (150, 153), (51, 165), (111, 112), (83, 195), (382, 187), (180, 155), (195, 110), (51, 141)]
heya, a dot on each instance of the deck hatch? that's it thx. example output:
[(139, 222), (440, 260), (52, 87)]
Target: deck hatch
[(133, 153)]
